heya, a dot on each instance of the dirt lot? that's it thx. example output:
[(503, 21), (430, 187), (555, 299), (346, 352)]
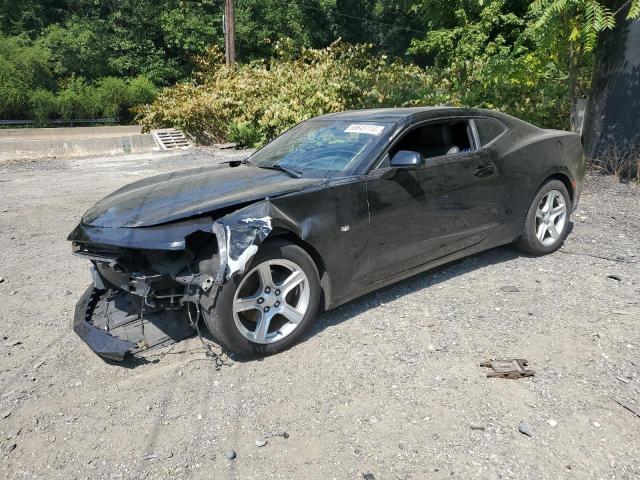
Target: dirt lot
[(388, 385)]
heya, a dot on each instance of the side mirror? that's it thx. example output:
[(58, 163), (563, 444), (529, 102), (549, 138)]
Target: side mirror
[(407, 158)]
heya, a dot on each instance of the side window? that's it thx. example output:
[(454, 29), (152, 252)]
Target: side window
[(488, 129), (437, 139)]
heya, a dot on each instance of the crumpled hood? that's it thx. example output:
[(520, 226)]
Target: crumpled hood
[(187, 193)]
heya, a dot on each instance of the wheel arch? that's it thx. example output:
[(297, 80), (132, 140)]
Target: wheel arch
[(564, 178), (552, 175), (325, 284)]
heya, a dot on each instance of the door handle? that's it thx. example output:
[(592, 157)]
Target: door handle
[(483, 171)]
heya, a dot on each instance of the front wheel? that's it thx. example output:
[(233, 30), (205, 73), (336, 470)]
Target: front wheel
[(547, 222), (267, 309)]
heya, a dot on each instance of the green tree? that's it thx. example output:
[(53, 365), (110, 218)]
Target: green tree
[(76, 49), (486, 56), (261, 23), (29, 17), (578, 22)]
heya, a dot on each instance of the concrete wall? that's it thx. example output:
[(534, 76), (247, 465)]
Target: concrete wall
[(72, 142)]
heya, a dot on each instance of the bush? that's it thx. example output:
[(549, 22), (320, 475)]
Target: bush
[(43, 105), (77, 100), (621, 162), (141, 91), (23, 68), (112, 96), (107, 97), (254, 102)]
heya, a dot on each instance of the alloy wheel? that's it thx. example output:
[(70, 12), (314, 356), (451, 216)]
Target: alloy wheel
[(271, 301), (551, 216)]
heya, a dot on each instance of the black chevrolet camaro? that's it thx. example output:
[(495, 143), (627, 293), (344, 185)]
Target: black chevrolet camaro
[(336, 207)]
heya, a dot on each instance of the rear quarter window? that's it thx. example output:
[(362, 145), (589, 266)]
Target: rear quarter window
[(488, 129)]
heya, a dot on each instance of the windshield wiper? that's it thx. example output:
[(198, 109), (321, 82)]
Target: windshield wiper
[(277, 166)]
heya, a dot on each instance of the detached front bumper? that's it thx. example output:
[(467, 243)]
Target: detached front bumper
[(98, 340), (112, 327)]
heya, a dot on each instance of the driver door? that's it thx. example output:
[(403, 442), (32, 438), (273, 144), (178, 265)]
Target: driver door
[(448, 204)]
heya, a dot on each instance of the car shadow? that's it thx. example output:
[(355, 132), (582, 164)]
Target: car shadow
[(360, 305), (416, 283)]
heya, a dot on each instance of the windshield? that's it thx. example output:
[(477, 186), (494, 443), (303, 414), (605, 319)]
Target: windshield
[(321, 147)]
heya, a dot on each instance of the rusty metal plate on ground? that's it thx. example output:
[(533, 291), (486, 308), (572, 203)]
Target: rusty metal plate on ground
[(509, 368)]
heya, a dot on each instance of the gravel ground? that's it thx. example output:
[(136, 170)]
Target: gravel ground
[(387, 387)]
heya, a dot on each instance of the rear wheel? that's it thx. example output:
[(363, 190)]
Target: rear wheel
[(547, 223), (267, 309)]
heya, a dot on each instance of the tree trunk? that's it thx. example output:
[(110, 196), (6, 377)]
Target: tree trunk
[(573, 85), (613, 117)]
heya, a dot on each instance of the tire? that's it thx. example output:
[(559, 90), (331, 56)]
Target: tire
[(237, 331), (542, 233)]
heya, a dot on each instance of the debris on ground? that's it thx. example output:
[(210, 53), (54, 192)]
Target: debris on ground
[(261, 442), (615, 277), (632, 408), (510, 289), (523, 427), (477, 427), (509, 368), (1, 279), (552, 422), (230, 454), (12, 343), (369, 476)]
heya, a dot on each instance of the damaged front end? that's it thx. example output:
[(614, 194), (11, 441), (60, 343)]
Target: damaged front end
[(151, 284)]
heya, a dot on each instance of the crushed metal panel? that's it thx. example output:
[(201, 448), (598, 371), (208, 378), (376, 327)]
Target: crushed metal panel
[(509, 368), (170, 139), (243, 232)]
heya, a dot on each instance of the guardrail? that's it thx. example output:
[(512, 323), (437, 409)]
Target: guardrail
[(81, 121)]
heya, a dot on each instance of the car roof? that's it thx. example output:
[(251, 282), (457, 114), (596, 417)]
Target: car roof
[(399, 114)]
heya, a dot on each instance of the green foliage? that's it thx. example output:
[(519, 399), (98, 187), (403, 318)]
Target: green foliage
[(77, 100), (112, 94), (254, 102), (585, 18), (102, 58), (28, 88), (487, 57), (189, 28), (23, 66), (54, 44), (76, 49), (107, 97), (43, 105), (141, 91)]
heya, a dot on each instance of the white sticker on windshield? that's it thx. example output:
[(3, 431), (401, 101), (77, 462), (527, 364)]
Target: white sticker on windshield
[(364, 128)]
